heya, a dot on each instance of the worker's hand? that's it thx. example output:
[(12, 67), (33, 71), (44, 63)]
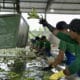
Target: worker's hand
[(43, 22), (50, 60), (57, 76)]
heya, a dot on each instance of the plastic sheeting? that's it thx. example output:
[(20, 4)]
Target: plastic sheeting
[(10, 34)]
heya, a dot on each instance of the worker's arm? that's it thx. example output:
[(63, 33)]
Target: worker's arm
[(58, 59), (49, 26)]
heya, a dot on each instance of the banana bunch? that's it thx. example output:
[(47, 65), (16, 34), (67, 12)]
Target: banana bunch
[(13, 76), (33, 14)]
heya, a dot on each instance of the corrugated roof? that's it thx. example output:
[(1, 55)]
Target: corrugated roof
[(41, 6)]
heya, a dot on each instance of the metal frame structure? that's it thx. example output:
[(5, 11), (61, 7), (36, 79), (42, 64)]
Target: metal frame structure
[(41, 6)]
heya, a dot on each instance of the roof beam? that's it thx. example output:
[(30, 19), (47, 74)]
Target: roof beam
[(3, 3), (34, 1), (17, 6), (66, 2), (31, 8), (49, 3), (59, 9)]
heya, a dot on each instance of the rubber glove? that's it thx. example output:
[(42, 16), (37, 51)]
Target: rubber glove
[(43, 22)]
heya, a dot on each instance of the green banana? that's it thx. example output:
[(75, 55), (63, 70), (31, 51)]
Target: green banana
[(33, 14)]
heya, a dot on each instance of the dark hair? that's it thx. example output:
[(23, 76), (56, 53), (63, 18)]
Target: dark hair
[(75, 25), (33, 40), (62, 25), (37, 38), (43, 37)]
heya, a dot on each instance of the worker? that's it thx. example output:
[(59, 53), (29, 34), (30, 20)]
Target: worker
[(62, 27), (61, 34), (46, 46), (75, 65)]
